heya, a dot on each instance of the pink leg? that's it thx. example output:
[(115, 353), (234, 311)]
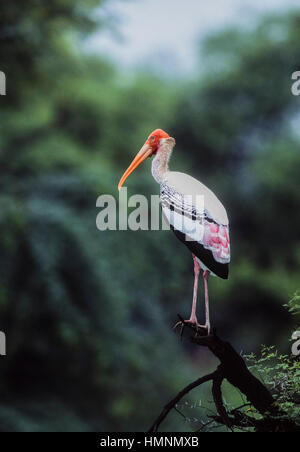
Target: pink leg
[(207, 321), (193, 318)]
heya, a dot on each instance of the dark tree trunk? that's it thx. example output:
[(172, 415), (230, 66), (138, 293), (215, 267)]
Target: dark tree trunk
[(233, 368)]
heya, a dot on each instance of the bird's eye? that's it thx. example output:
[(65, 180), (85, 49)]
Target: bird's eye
[(152, 138)]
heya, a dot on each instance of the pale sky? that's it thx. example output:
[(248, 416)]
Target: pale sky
[(149, 31)]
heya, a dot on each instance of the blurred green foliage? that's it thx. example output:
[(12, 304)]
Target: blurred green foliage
[(88, 314), (281, 373), (294, 305)]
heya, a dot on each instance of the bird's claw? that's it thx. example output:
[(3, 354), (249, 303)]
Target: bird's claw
[(181, 323), (193, 323)]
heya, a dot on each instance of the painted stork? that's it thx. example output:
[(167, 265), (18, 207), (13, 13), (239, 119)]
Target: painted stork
[(202, 226)]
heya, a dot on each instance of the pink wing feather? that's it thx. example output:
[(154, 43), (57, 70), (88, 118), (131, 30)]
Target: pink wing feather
[(216, 239)]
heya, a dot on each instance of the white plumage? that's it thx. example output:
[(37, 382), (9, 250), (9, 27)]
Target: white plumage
[(189, 187)]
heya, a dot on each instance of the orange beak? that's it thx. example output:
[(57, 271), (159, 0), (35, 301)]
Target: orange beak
[(142, 155)]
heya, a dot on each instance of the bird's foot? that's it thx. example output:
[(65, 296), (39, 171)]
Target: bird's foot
[(192, 323)]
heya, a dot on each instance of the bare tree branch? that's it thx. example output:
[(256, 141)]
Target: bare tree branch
[(176, 399)]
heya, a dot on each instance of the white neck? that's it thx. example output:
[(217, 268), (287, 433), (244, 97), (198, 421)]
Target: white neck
[(160, 164)]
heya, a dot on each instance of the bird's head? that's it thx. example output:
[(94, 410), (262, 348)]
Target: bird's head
[(150, 147)]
